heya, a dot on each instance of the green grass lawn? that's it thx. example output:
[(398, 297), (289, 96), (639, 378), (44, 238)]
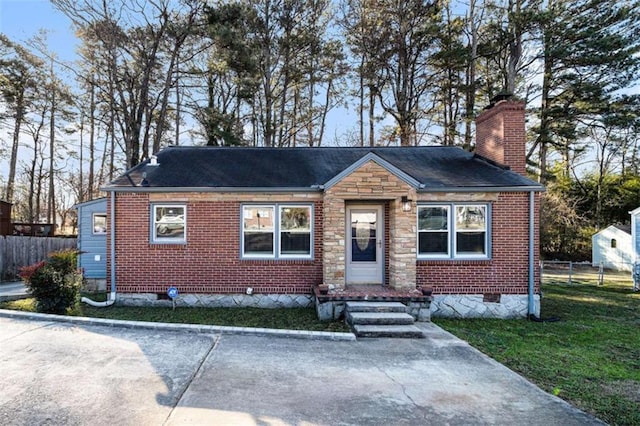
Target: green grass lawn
[(290, 318), (590, 357)]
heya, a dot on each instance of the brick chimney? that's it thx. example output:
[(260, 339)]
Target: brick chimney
[(500, 134)]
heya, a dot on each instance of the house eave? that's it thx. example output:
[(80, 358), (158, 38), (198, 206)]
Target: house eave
[(425, 189), (313, 189), (164, 189), (90, 202)]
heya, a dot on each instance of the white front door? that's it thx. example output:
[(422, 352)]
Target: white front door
[(365, 241)]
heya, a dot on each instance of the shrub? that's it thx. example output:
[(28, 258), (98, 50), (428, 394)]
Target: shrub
[(64, 261), (55, 283)]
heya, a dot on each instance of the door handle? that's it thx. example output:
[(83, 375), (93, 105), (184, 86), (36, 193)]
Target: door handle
[(380, 243)]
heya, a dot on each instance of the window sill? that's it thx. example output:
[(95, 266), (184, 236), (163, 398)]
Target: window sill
[(155, 244), (449, 262), (272, 261)]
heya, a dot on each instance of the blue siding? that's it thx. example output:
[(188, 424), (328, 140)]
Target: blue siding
[(92, 247), (637, 234)]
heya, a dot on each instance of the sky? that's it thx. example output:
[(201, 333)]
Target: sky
[(22, 19)]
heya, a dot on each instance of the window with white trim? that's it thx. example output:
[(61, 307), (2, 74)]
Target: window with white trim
[(453, 231), (99, 223), (169, 223), (277, 231)]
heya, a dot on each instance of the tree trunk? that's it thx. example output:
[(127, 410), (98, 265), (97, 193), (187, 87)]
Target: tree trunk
[(361, 100), (543, 137), (92, 142), (470, 89), (372, 119), (515, 45), (15, 143), (51, 207)]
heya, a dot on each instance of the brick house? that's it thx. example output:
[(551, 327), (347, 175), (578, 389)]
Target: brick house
[(264, 227)]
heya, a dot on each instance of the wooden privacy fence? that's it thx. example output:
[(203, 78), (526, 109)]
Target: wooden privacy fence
[(16, 252)]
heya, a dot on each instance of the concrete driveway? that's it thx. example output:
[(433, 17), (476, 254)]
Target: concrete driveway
[(13, 290), (63, 373)]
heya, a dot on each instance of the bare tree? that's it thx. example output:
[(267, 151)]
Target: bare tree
[(137, 47), (399, 37), (19, 84)]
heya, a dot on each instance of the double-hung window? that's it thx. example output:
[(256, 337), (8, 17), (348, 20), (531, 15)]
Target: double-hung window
[(258, 231), (453, 231), (433, 231), (169, 223), (277, 231)]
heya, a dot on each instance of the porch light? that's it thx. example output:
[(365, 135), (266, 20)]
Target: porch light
[(406, 204)]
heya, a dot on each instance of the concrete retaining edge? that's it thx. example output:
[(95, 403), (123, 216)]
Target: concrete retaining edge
[(189, 328)]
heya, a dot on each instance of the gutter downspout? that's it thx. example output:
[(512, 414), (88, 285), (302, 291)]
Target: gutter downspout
[(531, 299), (112, 248)]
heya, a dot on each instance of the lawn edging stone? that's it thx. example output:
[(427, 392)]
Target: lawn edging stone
[(191, 328)]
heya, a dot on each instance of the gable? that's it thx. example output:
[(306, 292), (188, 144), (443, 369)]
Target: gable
[(369, 180), (615, 231), (383, 169), (612, 232)]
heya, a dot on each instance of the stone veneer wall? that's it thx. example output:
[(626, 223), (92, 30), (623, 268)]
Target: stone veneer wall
[(269, 301), (368, 183), (474, 306)]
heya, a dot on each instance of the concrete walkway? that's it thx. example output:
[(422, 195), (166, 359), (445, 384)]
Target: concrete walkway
[(66, 373), (12, 290)]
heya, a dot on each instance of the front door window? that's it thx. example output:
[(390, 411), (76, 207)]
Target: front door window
[(363, 236)]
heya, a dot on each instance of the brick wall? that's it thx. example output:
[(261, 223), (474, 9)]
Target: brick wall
[(500, 135), (210, 260), (507, 272)]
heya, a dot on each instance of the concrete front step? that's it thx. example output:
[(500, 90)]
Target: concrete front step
[(379, 318), (407, 331), (376, 307)]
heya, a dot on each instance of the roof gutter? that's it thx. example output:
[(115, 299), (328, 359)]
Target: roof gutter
[(315, 188), (531, 188), (309, 189)]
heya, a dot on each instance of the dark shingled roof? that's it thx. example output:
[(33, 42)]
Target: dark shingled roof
[(624, 228), (432, 168)]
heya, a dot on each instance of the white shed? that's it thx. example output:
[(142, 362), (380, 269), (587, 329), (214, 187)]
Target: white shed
[(612, 248)]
